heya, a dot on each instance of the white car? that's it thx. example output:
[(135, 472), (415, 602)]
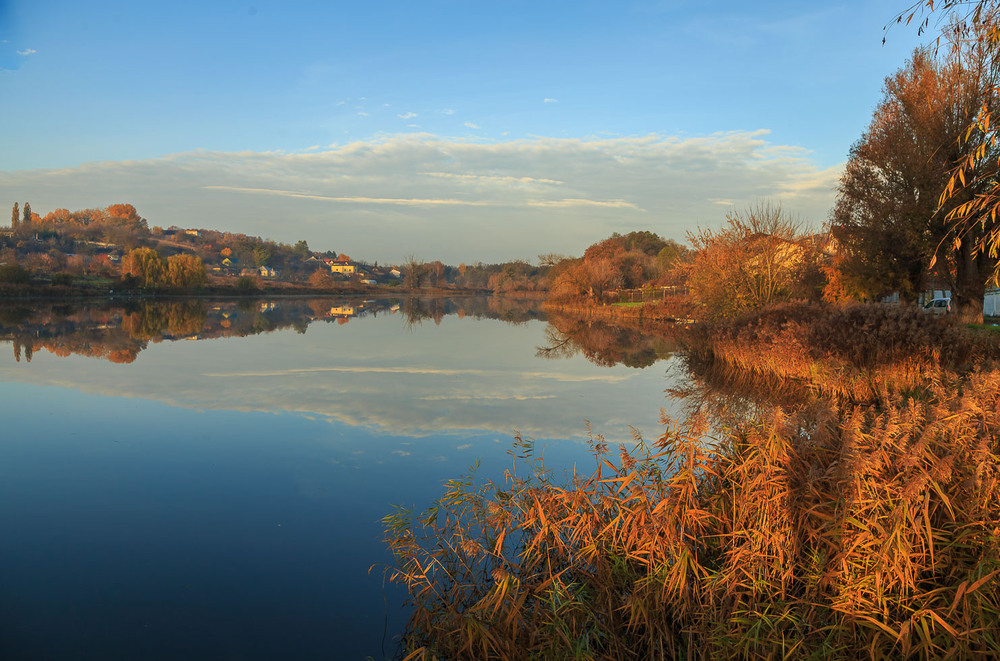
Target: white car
[(938, 306)]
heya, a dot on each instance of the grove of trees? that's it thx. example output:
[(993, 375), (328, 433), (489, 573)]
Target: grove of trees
[(621, 261)]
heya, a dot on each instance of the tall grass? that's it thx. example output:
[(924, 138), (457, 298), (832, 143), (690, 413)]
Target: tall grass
[(806, 536)]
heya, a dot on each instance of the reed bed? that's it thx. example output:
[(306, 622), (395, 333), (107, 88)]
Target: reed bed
[(859, 353), (836, 529)]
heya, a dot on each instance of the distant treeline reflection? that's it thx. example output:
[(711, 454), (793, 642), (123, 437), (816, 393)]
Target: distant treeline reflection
[(118, 331)]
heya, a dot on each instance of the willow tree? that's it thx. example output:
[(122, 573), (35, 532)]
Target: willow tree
[(146, 265)]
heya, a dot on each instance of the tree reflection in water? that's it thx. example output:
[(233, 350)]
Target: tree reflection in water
[(119, 330), (606, 344)]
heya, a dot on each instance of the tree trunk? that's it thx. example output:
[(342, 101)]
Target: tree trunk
[(970, 284)]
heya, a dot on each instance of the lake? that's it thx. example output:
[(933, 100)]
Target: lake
[(206, 480)]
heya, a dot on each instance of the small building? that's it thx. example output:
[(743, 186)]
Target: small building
[(344, 267), (267, 272)]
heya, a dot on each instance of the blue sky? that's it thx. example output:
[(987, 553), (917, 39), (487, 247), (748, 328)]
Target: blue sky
[(460, 131)]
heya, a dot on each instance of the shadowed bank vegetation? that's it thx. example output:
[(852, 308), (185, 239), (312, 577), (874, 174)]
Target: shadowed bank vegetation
[(861, 519)]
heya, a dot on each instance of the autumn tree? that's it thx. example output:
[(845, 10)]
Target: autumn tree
[(755, 259), (321, 279), (435, 273), (124, 215), (26, 218), (185, 271), (15, 217), (146, 265), (888, 220), (970, 200), (414, 272)]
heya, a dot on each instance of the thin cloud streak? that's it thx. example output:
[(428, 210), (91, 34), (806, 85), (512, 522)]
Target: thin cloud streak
[(355, 200), (491, 178), (616, 204)]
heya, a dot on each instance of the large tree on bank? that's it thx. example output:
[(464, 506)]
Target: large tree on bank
[(887, 219)]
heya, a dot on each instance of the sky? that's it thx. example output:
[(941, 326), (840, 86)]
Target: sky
[(455, 130)]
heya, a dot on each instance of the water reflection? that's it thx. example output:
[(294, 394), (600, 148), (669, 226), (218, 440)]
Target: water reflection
[(729, 397), (392, 365), (118, 332), (607, 344), (220, 468)]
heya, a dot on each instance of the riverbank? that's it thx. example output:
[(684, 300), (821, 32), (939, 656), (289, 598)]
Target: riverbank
[(669, 310)]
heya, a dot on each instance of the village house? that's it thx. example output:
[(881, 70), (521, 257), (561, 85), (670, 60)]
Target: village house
[(343, 266)]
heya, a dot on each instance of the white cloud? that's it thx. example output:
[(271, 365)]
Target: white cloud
[(471, 125), (458, 200), (27, 51), (362, 113), (407, 115), (548, 100), (448, 111)]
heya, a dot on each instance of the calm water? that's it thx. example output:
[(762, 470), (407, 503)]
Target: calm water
[(206, 480)]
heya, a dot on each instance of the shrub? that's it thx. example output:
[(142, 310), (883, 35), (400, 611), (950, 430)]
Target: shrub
[(62, 279), (14, 273), (246, 283)]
